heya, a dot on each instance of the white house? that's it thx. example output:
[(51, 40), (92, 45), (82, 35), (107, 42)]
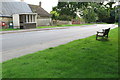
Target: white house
[(17, 12)]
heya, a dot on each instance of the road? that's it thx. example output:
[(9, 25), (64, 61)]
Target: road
[(19, 44)]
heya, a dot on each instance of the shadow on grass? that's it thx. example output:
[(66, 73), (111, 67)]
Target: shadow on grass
[(103, 39)]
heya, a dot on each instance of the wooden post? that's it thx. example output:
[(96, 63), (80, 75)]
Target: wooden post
[(119, 14)]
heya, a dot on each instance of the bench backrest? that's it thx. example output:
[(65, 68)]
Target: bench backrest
[(106, 31)]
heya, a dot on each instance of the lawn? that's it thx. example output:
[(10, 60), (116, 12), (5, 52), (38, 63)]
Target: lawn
[(84, 58), (8, 29), (64, 25)]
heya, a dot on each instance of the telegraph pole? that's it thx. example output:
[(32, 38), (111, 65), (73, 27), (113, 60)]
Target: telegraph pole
[(119, 14), (119, 17)]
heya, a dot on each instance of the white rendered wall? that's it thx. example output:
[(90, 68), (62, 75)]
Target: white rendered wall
[(16, 21), (44, 22)]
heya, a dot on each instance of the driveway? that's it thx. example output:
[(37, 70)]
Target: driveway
[(19, 44)]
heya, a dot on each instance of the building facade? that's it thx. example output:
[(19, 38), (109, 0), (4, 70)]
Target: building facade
[(17, 13), (25, 20), (43, 17)]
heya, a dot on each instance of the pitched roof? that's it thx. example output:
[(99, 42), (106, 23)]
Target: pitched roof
[(7, 0), (39, 10), (10, 8)]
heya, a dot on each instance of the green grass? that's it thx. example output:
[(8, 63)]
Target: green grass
[(8, 29), (63, 25), (0, 70), (84, 58), (116, 23)]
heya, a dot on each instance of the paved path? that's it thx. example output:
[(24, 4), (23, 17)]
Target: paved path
[(19, 44)]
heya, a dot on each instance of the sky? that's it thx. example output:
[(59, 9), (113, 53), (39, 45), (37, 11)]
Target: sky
[(46, 4)]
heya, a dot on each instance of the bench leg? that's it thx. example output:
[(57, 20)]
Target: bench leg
[(96, 37), (107, 36)]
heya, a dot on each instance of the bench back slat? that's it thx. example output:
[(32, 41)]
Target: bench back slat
[(106, 31)]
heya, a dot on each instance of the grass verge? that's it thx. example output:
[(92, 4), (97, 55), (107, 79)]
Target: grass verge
[(63, 25), (84, 58), (8, 29)]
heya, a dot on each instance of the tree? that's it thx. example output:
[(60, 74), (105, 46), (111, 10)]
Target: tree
[(111, 9), (110, 4), (89, 15), (117, 13), (66, 10), (89, 11), (55, 15), (103, 14)]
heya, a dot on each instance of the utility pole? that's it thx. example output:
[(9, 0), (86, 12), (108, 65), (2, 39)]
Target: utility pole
[(119, 14), (119, 17)]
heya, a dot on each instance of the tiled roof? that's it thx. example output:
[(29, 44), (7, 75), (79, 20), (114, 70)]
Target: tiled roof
[(7, 1), (10, 8), (39, 10)]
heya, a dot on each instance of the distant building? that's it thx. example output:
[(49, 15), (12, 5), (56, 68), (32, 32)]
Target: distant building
[(18, 13), (43, 17)]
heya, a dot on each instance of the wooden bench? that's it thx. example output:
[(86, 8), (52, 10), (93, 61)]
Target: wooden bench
[(103, 34)]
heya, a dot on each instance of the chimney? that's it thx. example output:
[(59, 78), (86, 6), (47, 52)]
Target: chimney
[(22, 0), (40, 4)]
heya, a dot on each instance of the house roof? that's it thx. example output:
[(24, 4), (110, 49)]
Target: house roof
[(7, 1), (39, 10), (10, 8)]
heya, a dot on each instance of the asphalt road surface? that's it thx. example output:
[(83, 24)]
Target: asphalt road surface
[(19, 44)]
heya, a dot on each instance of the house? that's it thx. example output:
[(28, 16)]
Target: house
[(43, 17), (18, 13)]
